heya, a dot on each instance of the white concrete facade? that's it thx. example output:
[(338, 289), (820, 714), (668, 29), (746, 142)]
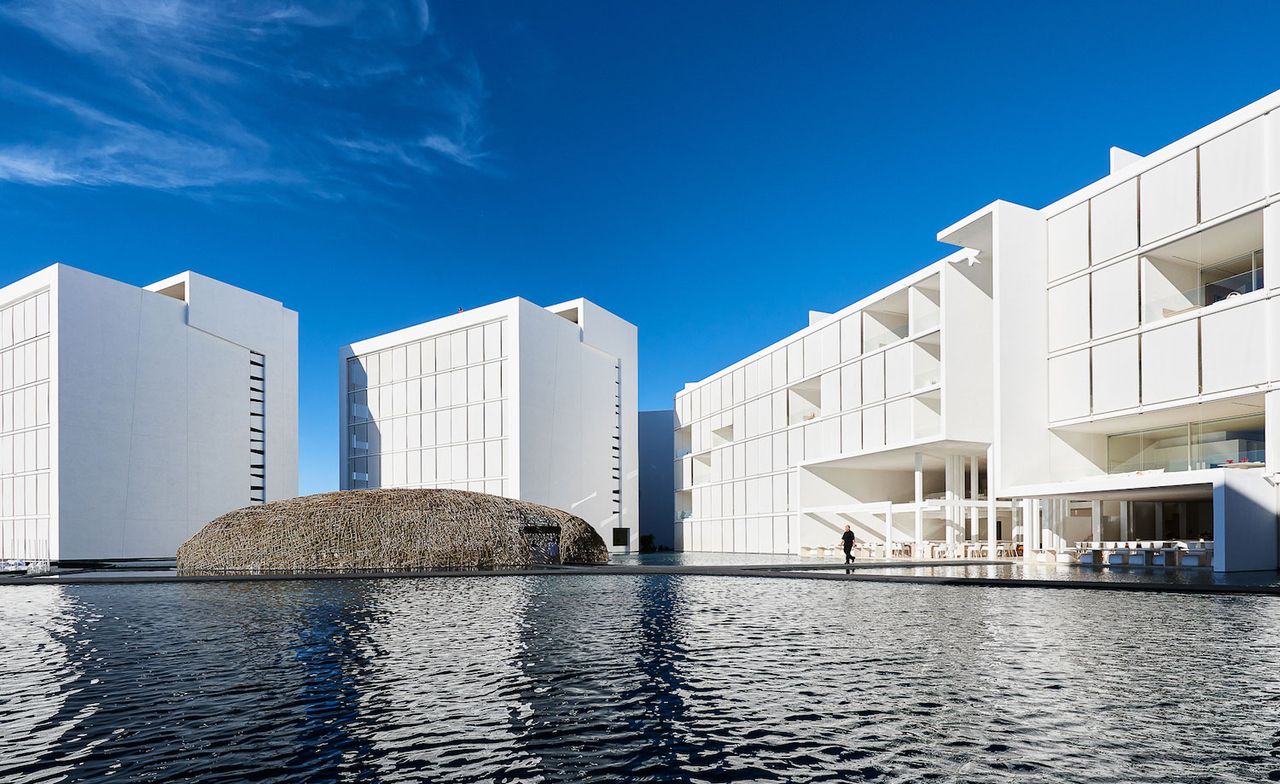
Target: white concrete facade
[(826, 427), (130, 417), (512, 399), (1129, 367)]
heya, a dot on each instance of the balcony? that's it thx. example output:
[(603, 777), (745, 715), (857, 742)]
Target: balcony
[(926, 305), (1232, 278), (1204, 269), (804, 401), (886, 321)]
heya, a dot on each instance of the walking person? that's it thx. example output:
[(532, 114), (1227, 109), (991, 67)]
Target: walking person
[(846, 540)]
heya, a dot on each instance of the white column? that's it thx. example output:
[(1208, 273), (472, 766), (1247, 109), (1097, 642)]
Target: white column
[(1032, 527), (1124, 521), (1048, 528), (973, 496), (888, 530), (1095, 520), (992, 519), (949, 496), (919, 499)]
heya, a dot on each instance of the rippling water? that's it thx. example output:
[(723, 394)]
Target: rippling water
[(608, 678)]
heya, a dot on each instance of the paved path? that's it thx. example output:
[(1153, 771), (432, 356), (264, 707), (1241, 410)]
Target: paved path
[(860, 572)]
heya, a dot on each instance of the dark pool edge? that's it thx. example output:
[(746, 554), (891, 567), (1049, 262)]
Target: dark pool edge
[(762, 571)]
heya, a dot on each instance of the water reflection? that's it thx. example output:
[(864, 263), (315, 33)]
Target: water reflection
[(660, 692), (606, 678), (331, 645), (37, 672)]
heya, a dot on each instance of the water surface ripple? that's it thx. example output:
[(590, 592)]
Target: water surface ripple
[(605, 678)]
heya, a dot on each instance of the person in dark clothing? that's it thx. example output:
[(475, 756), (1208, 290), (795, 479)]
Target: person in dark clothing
[(846, 540)]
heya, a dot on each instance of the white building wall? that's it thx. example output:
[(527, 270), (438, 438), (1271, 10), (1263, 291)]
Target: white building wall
[(429, 408), (1116, 312), (1137, 338), (27, 427), (146, 417), (262, 325), (510, 399), (869, 379)]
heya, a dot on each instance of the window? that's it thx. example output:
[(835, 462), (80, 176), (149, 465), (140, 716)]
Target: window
[(621, 537), (1203, 269), (1214, 444)]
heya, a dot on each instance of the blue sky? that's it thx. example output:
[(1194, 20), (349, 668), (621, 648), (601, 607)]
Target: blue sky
[(709, 170)]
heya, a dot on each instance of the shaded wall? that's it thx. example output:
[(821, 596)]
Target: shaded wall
[(657, 477)]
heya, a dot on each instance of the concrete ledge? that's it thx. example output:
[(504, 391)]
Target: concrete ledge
[(760, 571)]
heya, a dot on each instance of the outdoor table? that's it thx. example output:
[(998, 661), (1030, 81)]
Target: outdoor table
[(1197, 556)]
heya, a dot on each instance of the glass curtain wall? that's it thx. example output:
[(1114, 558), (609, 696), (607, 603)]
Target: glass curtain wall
[(1214, 444)]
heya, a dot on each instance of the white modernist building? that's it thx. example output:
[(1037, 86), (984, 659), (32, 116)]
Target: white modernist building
[(130, 417), (511, 399), (869, 416), (1099, 374)]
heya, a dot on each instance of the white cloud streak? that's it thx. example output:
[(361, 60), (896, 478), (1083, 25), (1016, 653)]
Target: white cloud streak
[(176, 95)]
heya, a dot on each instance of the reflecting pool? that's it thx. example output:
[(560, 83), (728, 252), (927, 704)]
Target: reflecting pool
[(601, 678)]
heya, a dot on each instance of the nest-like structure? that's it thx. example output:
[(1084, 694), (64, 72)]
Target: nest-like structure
[(390, 530)]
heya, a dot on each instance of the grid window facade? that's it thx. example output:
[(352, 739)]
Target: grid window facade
[(25, 372), (741, 435), (431, 413)]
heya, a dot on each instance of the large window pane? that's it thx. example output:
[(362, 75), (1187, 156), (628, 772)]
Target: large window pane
[(1165, 449), (1124, 453), (1230, 442), (1215, 444)]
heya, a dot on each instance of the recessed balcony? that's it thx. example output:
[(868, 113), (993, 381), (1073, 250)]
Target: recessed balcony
[(1204, 269)]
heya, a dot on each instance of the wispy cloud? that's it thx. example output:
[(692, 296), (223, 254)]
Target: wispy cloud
[(178, 95)]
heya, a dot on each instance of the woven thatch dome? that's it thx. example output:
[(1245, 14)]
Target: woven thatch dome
[(390, 530)]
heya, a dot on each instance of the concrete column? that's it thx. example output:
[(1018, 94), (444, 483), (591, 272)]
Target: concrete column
[(1044, 531), (919, 498), (1027, 523), (992, 520), (888, 530), (1159, 519), (1035, 520), (1244, 523), (1124, 520), (973, 496), (949, 496), (1095, 514)]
